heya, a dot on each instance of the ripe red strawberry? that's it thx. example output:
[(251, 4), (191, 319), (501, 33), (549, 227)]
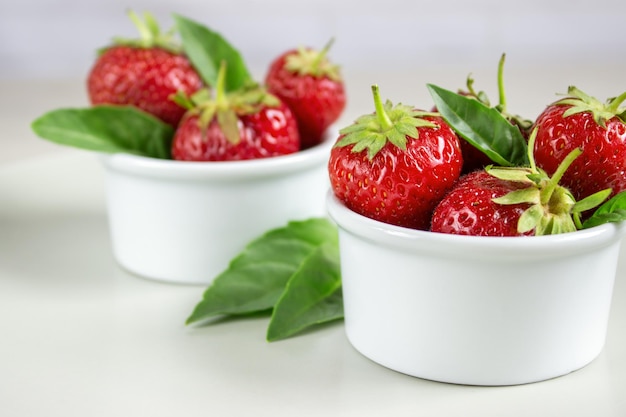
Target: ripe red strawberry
[(245, 124), (312, 87), (469, 208), (395, 165), (581, 121), (144, 73), (512, 202)]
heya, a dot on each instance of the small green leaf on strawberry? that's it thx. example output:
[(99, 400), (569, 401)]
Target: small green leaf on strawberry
[(107, 128), (484, 127), (207, 50)]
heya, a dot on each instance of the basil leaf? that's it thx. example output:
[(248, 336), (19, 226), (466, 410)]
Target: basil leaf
[(207, 49), (312, 296), (482, 126), (613, 211), (255, 279), (107, 128)]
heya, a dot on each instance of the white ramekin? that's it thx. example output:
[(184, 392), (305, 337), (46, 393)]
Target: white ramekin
[(183, 222), (475, 310)]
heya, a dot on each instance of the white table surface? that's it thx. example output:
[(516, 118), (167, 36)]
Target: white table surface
[(82, 337)]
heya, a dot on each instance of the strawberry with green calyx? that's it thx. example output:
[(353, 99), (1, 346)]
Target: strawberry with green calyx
[(598, 129), (395, 165), (312, 87), (245, 124), (513, 201), (144, 73)]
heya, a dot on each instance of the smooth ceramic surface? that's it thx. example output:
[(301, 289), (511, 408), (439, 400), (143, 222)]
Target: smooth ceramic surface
[(475, 310), (184, 221)]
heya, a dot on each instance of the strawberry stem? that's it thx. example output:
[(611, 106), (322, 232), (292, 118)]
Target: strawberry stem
[(615, 103), (502, 95), (321, 55), (383, 117), (531, 149), (220, 93), (546, 193), (146, 36)]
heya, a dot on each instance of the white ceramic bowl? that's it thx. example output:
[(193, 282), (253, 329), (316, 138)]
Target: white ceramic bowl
[(475, 310), (183, 222)]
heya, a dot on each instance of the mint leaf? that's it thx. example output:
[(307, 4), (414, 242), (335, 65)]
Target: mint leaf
[(207, 49), (312, 296), (482, 126), (256, 279), (613, 211), (107, 128)]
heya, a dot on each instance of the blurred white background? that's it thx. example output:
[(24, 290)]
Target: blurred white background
[(58, 38), (48, 46)]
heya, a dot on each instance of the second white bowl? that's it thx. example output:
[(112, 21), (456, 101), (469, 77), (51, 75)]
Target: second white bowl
[(184, 221)]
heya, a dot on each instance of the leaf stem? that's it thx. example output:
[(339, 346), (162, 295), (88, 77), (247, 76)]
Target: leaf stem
[(383, 117)]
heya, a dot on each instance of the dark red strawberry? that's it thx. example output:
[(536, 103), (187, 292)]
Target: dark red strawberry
[(581, 121), (512, 202), (144, 73), (312, 87), (469, 208), (395, 165), (244, 124)]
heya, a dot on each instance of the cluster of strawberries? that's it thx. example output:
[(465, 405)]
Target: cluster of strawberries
[(470, 168), (217, 119)]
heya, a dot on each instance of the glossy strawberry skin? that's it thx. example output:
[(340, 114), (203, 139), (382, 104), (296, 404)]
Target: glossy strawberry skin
[(399, 187), (316, 102), (603, 161), (142, 77), (468, 208), (272, 131)]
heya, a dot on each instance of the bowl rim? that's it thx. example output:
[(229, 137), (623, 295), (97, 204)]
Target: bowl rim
[(420, 240), (224, 170)]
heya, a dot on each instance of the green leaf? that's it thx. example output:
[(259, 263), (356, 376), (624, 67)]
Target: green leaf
[(613, 211), (591, 201), (616, 216), (312, 296), (256, 278), (483, 127), (511, 174), (207, 50), (530, 195), (107, 128), (530, 218)]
